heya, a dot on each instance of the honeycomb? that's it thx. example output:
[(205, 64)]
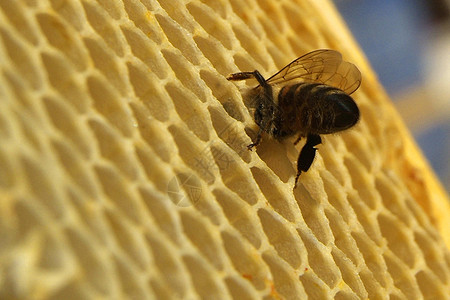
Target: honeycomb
[(124, 171)]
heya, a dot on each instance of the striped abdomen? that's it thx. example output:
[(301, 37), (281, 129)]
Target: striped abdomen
[(313, 108)]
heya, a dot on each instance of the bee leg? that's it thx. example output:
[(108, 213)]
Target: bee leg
[(247, 75), (240, 76), (258, 139), (307, 154), (298, 139)]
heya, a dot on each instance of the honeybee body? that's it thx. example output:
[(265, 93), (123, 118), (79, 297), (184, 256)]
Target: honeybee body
[(312, 98)]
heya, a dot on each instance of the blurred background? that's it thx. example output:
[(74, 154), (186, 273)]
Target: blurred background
[(408, 45)]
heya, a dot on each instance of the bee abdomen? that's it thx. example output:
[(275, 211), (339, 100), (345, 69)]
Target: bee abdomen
[(314, 108)]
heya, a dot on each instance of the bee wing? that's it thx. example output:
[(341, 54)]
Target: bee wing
[(322, 66)]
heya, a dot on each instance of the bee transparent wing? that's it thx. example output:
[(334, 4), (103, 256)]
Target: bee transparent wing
[(322, 66)]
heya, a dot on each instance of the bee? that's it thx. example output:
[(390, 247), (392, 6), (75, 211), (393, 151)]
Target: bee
[(309, 97)]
